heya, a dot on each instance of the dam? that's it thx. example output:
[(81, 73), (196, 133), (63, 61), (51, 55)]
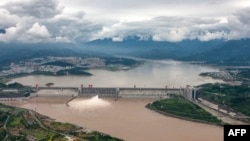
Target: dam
[(114, 92)]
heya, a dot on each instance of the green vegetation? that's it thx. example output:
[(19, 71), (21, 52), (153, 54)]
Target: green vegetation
[(3, 117), (15, 85), (22, 91), (16, 122), (120, 61), (12, 85), (27, 125), (58, 63), (211, 74), (229, 53), (2, 133), (236, 97), (180, 107), (95, 136), (42, 73), (74, 71), (244, 74), (16, 75), (58, 126), (231, 74), (3, 80)]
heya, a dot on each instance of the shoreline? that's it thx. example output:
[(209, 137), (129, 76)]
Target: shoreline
[(182, 118)]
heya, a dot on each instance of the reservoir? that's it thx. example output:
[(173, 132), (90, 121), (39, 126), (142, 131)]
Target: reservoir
[(158, 74)]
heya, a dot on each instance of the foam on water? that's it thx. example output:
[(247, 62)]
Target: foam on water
[(92, 103)]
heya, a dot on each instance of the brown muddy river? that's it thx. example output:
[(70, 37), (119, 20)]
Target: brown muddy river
[(126, 119)]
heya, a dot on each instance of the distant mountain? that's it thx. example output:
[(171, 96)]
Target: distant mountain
[(152, 49), (12, 52), (234, 52), (15, 52)]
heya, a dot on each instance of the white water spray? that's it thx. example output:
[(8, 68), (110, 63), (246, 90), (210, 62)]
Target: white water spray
[(92, 103)]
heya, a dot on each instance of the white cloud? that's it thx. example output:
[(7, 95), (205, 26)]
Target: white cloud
[(61, 39), (37, 33), (38, 30), (160, 20), (132, 10), (7, 19), (171, 29), (13, 33), (117, 39), (173, 35), (212, 35), (21, 33)]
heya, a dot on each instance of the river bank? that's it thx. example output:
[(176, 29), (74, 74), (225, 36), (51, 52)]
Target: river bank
[(179, 107)]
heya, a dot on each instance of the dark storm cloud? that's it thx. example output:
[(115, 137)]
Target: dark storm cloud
[(35, 8)]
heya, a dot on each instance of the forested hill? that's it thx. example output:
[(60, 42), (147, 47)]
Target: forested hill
[(152, 49), (17, 52), (234, 52)]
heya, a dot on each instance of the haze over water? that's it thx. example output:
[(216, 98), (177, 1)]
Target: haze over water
[(151, 74)]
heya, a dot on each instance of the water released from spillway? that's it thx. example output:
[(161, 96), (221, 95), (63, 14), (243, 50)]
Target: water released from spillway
[(88, 104)]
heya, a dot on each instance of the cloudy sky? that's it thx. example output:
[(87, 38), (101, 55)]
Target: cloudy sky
[(33, 21)]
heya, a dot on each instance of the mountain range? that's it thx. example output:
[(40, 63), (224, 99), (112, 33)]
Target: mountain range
[(232, 52)]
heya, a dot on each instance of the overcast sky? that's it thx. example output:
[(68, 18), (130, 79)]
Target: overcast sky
[(159, 20)]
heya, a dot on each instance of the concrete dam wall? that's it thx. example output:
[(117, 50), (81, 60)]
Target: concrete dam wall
[(113, 92)]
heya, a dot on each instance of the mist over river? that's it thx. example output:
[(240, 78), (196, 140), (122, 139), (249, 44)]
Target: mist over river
[(151, 74)]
